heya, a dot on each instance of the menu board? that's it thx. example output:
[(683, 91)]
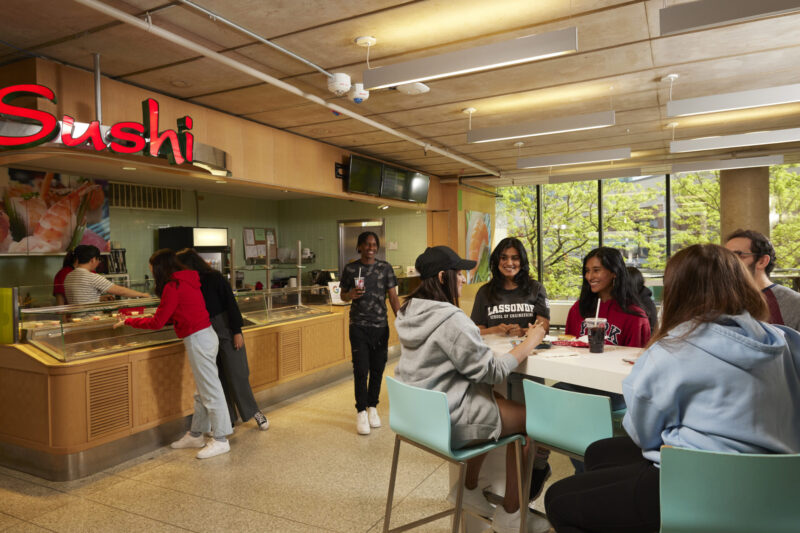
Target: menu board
[(256, 241)]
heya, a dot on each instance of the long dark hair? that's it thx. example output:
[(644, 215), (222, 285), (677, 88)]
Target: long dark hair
[(701, 283), (522, 278), (621, 291), (165, 263), (433, 289), (192, 260)]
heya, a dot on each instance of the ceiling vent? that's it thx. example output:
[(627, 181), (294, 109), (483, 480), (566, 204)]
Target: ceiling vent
[(147, 197)]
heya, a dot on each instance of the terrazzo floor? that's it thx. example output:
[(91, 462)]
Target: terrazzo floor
[(309, 472)]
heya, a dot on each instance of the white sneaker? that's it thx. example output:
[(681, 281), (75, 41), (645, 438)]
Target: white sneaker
[(362, 423), (187, 441), (374, 419), (503, 522), (214, 447), (473, 500)]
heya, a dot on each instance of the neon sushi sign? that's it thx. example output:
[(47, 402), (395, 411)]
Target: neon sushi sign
[(121, 138)]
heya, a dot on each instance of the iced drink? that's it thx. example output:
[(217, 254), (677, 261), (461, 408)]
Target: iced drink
[(360, 283), (596, 331)]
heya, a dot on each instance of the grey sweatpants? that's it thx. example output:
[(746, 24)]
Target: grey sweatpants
[(210, 409)]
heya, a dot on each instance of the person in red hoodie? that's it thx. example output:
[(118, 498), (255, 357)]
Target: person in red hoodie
[(182, 304)]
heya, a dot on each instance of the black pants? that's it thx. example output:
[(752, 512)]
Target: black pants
[(233, 372), (370, 347), (618, 493)]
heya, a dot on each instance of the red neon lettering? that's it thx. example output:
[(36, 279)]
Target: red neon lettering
[(49, 123), (186, 138), (127, 138), (156, 143), (92, 133)]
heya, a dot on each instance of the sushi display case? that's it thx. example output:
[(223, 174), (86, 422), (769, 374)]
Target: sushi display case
[(274, 306), (73, 332)]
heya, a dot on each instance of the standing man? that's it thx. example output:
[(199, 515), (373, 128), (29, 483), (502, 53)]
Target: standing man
[(365, 283), (84, 286), (758, 255)]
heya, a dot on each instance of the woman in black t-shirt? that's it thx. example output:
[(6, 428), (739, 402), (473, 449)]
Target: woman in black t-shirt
[(511, 299)]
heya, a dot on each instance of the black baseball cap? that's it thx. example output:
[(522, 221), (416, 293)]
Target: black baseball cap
[(438, 258)]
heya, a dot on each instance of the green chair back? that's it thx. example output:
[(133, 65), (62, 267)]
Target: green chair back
[(419, 415), (705, 492), (566, 420)]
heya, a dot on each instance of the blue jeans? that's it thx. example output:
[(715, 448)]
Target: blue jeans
[(210, 408)]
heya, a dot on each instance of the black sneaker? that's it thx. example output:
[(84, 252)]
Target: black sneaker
[(263, 423), (540, 475)]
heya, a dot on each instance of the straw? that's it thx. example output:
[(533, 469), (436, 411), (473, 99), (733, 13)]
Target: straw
[(359, 275), (597, 313)]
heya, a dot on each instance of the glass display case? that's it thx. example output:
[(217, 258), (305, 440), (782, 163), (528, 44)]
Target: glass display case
[(73, 332), (274, 306)]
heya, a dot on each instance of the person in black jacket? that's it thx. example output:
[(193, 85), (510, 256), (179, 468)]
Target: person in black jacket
[(227, 322), (644, 295)]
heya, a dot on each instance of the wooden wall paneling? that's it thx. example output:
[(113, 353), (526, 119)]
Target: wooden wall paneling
[(24, 410), (323, 344), (163, 386), (68, 411), (262, 357)]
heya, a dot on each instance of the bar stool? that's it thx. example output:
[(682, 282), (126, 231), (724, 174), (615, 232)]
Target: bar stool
[(564, 421), (421, 418)]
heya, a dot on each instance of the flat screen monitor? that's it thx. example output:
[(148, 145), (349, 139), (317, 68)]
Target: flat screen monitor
[(364, 176), (395, 183), (418, 187)]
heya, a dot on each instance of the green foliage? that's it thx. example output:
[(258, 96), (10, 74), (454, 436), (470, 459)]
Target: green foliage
[(695, 210), (784, 191)]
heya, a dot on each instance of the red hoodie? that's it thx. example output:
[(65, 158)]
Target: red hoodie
[(181, 303)]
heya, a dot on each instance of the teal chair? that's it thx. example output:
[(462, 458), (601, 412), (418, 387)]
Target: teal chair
[(564, 421), (421, 418), (711, 492)]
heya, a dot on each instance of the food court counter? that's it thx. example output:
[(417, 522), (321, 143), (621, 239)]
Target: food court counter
[(66, 419)]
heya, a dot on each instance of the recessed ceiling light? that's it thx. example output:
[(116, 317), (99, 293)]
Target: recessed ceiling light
[(220, 181), (128, 168), (383, 206), (179, 83)]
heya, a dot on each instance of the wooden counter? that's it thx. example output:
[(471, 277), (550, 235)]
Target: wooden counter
[(60, 409)]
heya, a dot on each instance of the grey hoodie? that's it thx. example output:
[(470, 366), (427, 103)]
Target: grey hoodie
[(441, 349)]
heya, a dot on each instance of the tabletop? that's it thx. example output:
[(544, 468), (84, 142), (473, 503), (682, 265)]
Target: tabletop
[(603, 371)]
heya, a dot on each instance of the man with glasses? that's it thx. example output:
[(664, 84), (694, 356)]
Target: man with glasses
[(758, 255)]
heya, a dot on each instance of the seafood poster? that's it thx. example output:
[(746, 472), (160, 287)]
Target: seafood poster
[(46, 212), (479, 238)]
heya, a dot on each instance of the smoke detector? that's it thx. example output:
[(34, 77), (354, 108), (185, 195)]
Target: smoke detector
[(358, 94), (339, 83), (413, 88)]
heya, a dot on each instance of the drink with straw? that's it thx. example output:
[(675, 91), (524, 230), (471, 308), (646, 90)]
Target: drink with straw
[(596, 331)]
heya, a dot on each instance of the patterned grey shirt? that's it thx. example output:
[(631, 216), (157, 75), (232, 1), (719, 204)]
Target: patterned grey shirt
[(370, 309)]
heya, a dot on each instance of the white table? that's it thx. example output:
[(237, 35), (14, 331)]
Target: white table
[(603, 371)]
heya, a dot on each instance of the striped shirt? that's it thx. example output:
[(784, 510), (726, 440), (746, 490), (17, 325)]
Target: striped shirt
[(84, 287)]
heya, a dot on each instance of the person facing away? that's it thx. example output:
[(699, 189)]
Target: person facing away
[(758, 255), (83, 286), (226, 319), (442, 350), (714, 377), (67, 266), (511, 300), (182, 305), (644, 296), (605, 279), (369, 327)]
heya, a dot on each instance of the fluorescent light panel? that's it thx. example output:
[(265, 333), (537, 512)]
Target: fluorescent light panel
[(708, 13), (486, 57), (574, 158), (542, 127), (784, 94), (727, 164), (734, 141), (606, 174)]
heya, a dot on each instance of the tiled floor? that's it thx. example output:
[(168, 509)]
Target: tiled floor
[(309, 472)]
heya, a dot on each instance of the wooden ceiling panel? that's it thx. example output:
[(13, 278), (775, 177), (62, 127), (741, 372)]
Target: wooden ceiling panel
[(251, 100), (286, 117)]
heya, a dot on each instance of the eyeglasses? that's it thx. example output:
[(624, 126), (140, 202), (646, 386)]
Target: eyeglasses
[(743, 254)]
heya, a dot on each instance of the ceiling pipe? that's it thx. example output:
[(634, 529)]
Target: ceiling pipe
[(207, 52), (255, 36)]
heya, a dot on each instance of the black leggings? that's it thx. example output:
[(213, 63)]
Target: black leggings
[(618, 493)]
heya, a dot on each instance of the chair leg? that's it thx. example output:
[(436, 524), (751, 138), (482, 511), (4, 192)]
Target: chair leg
[(523, 499), (392, 478), (462, 477)]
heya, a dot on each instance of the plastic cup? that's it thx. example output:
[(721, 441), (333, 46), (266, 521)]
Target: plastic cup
[(596, 331), (360, 283)]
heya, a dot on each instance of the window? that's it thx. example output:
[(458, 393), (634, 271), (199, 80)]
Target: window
[(694, 209)]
